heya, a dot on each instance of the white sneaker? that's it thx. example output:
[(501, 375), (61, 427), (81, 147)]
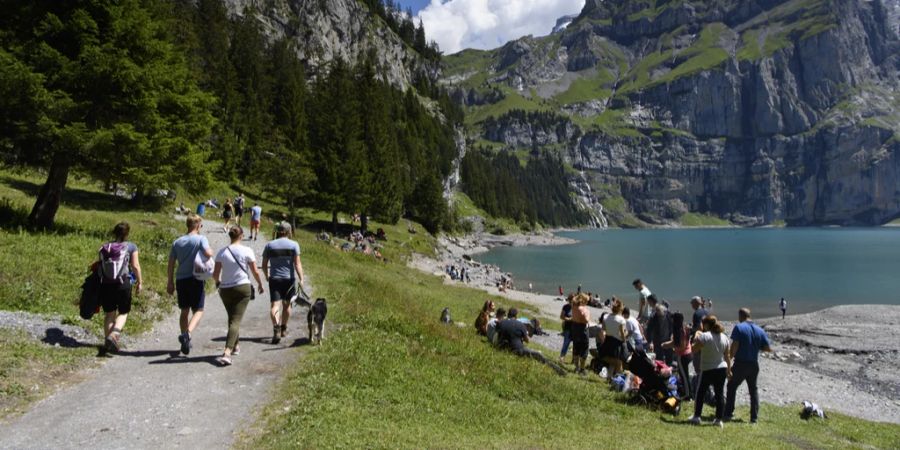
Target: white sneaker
[(719, 423), (694, 420)]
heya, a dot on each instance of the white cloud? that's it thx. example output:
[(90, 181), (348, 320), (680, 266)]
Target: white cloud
[(487, 24)]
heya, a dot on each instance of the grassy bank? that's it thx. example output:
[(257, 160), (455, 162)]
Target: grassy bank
[(394, 377)]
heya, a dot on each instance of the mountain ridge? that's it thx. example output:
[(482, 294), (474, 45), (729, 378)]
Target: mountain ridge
[(758, 112)]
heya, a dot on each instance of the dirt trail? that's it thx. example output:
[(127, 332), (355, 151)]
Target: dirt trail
[(147, 397)]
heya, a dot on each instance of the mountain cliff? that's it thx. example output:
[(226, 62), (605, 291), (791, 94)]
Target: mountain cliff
[(755, 111)]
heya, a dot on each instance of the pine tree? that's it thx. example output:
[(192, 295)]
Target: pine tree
[(115, 99)]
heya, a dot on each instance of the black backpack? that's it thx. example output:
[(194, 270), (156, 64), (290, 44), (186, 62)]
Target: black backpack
[(90, 296)]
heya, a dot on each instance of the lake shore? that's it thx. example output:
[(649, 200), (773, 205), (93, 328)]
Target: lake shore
[(840, 357)]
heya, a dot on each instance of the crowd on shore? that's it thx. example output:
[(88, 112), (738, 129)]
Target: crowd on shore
[(706, 364)]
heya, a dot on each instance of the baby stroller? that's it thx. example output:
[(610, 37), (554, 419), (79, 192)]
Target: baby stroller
[(656, 390)]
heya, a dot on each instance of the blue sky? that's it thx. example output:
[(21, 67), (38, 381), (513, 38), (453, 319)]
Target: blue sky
[(416, 5)]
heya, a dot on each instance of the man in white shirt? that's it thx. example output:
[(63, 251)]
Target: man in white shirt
[(644, 309)]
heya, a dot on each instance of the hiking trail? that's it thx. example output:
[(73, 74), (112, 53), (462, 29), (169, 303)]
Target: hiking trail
[(149, 397)]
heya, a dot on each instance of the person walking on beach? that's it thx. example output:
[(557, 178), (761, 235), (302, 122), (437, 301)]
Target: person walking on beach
[(561, 291), (644, 293), (191, 291), (747, 340), (234, 264), (565, 315), (581, 316), (715, 365), (283, 254), (239, 208), (117, 263), (783, 306), (255, 217)]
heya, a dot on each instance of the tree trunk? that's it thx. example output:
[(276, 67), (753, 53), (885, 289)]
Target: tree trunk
[(47, 203), (364, 222), (334, 223)]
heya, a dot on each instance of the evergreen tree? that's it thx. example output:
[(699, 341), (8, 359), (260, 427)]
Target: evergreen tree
[(114, 98)]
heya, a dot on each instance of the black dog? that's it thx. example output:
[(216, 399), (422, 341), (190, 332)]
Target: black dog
[(315, 318)]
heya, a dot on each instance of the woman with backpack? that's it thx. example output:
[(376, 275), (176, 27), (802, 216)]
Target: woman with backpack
[(715, 364), (681, 343), (234, 264), (117, 267)]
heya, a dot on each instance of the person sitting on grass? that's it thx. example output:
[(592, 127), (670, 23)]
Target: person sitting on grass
[(483, 317), (492, 326), (514, 336)]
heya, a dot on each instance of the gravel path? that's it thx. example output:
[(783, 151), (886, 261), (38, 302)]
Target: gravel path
[(148, 397), (49, 330)]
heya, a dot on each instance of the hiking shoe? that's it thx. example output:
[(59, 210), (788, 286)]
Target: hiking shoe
[(276, 335), (185, 340), (224, 360), (109, 346), (694, 420), (284, 331)]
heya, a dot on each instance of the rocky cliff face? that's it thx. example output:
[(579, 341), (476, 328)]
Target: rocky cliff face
[(758, 111), (329, 29)]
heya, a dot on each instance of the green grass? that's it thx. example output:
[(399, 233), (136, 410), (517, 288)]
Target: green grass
[(702, 220), (29, 369), (512, 100), (394, 377), (596, 87)]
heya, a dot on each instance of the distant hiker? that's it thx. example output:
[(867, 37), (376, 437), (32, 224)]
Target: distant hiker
[(227, 214), (613, 334), (681, 345), (747, 340), (487, 310), (581, 316), (716, 365), (514, 335), (286, 271), (492, 326), (565, 315), (190, 287), (201, 209), (579, 290), (255, 217), (530, 287), (644, 310), (239, 208), (234, 264), (118, 266), (561, 293), (635, 338), (783, 306)]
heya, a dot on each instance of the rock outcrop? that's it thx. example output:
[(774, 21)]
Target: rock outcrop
[(758, 111)]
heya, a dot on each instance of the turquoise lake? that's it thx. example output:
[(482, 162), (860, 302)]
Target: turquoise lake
[(812, 268)]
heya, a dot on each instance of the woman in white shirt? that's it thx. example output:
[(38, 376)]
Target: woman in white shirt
[(715, 365), (613, 350), (234, 264)]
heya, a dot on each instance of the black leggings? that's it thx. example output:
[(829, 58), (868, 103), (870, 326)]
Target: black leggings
[(716, 379)]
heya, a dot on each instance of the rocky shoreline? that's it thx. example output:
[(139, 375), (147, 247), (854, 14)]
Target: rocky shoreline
[(841, 357)]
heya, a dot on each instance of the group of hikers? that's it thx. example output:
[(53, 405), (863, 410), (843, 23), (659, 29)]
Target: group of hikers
[(720, 363), (191, 262)]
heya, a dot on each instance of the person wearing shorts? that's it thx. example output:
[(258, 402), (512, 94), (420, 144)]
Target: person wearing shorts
[(191, 291), (115, 298), (581, 316), (255, 216), (281, 262)]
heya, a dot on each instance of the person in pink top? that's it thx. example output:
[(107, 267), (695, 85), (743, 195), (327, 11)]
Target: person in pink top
[(681, 344)]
